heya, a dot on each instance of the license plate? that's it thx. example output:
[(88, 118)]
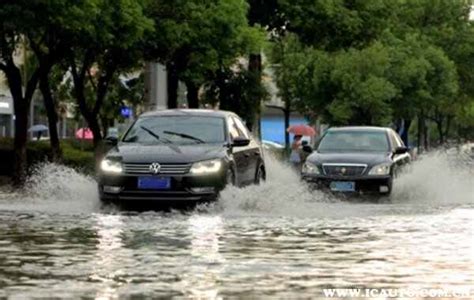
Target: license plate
[(154, 183), (342, 186)]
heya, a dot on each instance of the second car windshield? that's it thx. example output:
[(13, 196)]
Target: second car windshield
[(177, 130), (348, 141)]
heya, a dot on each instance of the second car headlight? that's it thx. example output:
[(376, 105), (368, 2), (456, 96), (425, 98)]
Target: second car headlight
[(206, 167), (111, 166), (382, 169), (310, 168)]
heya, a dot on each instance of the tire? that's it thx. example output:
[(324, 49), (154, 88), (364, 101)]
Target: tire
[(260, 175)]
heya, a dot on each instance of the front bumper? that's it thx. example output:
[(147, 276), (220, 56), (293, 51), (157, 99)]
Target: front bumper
[(124, 188), (363, 184)]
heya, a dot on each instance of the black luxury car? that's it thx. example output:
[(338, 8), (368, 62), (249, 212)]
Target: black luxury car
[(356, 159), (181, 154)]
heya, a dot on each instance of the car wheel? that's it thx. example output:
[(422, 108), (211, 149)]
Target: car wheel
[(260, 176), (230, 177)]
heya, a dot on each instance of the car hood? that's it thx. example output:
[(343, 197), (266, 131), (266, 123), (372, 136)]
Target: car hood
[(349, 157), (169, 153)]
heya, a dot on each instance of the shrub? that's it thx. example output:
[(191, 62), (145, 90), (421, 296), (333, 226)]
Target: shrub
[(40, 152)]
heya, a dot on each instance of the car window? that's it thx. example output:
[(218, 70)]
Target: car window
[(242, 128), (177, 130), (233, 129), (395, 140), (351, 140)]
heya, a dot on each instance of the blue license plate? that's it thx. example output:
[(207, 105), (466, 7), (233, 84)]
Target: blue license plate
[(154, 183), (342, 186)]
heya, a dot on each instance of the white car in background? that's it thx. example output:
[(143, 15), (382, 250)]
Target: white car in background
[(269, 145)]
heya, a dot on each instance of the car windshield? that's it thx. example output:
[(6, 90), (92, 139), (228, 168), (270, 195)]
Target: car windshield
[(349, 141), (177, 130)]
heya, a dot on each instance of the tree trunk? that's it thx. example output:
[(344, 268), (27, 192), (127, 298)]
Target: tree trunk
[(21, 107), (286, 111), (50, 106), (255, 66), (405, 134), (105, 126), (448, 127), (172, 86), (439, 125), (426, 136), (21, 133), (192, 95), (421, 125)]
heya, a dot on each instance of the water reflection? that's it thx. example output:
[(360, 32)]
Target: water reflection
[(201, 278), (109, 255)]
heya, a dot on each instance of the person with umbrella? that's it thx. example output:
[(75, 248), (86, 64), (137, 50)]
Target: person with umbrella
[(38, 130), (296, 155)]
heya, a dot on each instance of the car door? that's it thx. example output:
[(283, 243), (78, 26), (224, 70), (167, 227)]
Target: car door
[(239, 154), (252, 151)]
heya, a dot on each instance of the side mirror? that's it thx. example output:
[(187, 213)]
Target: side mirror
[(111, 140), (400, 150), (240, 142)]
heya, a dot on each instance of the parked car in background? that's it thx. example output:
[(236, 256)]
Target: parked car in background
[(183, 154), (356, 159)]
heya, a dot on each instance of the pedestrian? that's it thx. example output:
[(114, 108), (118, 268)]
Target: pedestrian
[(295, 155), (306, 150)]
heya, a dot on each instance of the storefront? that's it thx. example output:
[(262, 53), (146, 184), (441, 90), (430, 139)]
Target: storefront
[(6, 116)]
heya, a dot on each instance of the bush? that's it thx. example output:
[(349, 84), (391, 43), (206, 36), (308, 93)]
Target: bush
[(40, 152), (82, 161)]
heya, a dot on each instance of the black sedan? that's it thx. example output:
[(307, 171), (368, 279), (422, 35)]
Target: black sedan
[(176, 155), (356, 159)]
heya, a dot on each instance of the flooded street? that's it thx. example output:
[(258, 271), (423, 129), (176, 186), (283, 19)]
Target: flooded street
[(277, 239)]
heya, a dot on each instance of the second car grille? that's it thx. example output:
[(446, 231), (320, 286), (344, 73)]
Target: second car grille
[(168, 169), (344, 170)]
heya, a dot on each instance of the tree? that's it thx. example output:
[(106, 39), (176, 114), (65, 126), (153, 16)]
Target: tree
[(16, 17), (235, 89), (338, 24), (112, 42), (377, 62), (194, 39)]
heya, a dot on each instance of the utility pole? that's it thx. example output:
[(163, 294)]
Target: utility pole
[(156, 94)]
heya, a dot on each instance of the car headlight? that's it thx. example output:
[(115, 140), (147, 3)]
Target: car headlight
[(206, 167), (382, 169), (310, 168), (111, 166)]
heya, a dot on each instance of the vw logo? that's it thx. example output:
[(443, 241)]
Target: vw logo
[(343, 170), (155, 168)]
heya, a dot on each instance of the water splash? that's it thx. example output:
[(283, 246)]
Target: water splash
[(55, 188), (437, 178), (433, 181)]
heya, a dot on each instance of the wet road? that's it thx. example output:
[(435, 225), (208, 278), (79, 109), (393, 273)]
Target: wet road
[(277, 239)]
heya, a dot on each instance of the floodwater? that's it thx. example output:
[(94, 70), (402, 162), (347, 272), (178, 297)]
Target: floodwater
[(274, 240)]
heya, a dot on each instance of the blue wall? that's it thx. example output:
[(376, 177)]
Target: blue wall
[(273, 127)]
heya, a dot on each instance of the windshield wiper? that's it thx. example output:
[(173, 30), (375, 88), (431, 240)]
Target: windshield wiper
[(150, 132), (184, 135)]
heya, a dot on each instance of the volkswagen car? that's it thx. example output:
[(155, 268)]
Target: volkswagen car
[(182, 154), (356, 159)]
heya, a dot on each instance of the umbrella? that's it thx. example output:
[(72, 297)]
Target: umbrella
[(302, 129), (38, 128), (84, 133)]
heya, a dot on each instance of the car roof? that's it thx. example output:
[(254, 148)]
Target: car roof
[(188, 112), (360, 128)]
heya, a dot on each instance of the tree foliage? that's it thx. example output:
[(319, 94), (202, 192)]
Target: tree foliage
[(377, 62)]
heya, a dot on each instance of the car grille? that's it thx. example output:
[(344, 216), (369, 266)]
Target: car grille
[(144, 168), (344, 170)]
